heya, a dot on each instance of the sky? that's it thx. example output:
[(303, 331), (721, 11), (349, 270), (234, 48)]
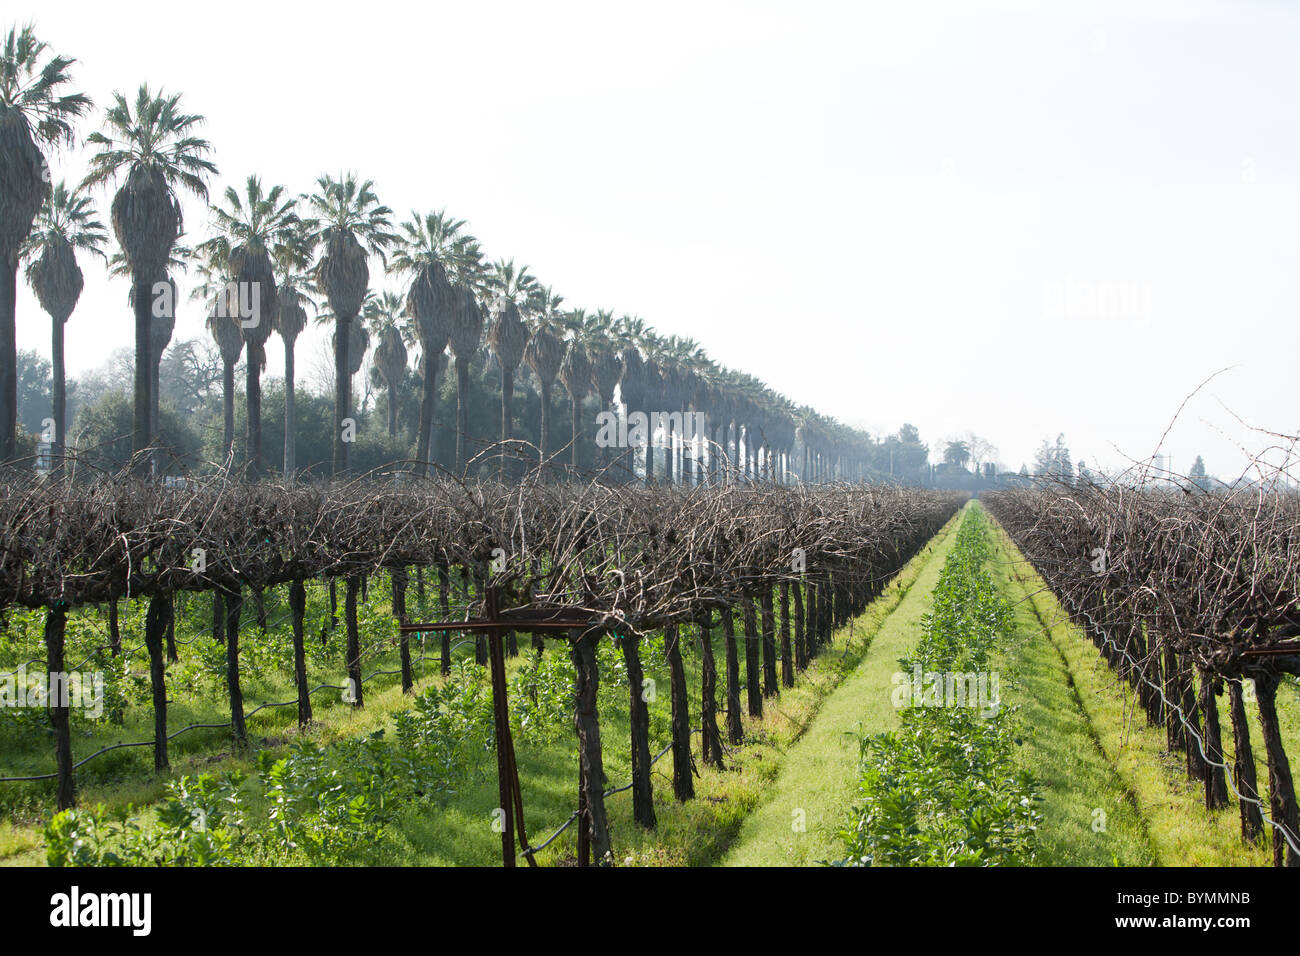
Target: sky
[(1013, 219)]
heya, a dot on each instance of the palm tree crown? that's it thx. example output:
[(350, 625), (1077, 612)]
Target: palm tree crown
[(348, 208), (436, 238), (154, 147), (33, 111), (265, 221), (29, 86), (67, 222)]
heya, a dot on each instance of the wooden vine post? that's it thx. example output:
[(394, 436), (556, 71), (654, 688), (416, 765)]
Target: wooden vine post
[(571, 623)]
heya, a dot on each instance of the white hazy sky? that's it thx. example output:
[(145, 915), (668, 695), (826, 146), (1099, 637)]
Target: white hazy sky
[(1015, 219)]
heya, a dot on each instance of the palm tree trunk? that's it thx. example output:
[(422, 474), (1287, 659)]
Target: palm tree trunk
[(690, 463), (431, 431), (342, 391), (253, 381), (717, 452), (290, 419), (576, 408), (8, 356), (544, 439), (424, 436), (153, 409), (140, 436), (228, 402), (428, 410), (392, 412), (650, 455), (672, 474), (60, 400), (507, 396), (462, 411)]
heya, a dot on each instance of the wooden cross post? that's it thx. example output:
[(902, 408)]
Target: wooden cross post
[(496, 623), (505, 745)]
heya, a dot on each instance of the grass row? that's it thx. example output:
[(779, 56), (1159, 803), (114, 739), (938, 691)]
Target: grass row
[(945, 789), (1114, 794), (806, 804)]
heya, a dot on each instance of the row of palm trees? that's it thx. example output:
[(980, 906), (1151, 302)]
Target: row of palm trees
[(273, 258)]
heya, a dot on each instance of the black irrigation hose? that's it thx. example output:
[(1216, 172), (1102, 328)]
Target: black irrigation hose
[(150, 743), (133, 648), (534, 850)]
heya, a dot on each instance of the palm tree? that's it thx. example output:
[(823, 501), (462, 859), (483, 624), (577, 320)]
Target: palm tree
[(291, 257), (608, 368), (224, 329), (466, 334), (685, 364), (358, 343), (154, 149), (65, 224), (443, 360), (642, 382), (33, 112), (349, 223), (250, 230), (576, 374), (290, 320), (162, 322), (431, 251), (544, 355), (382, 313), (508, 335), (161, 326), (223, 326)]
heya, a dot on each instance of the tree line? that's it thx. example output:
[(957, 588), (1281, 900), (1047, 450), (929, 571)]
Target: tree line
[(273, 260)]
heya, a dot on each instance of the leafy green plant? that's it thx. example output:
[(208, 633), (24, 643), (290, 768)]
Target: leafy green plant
[(330, 804), (541, 698), (943, 790), (201, 823)]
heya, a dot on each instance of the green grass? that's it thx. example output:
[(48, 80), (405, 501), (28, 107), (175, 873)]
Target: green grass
[(819, 772), (1090, 817), (1083, 716)]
